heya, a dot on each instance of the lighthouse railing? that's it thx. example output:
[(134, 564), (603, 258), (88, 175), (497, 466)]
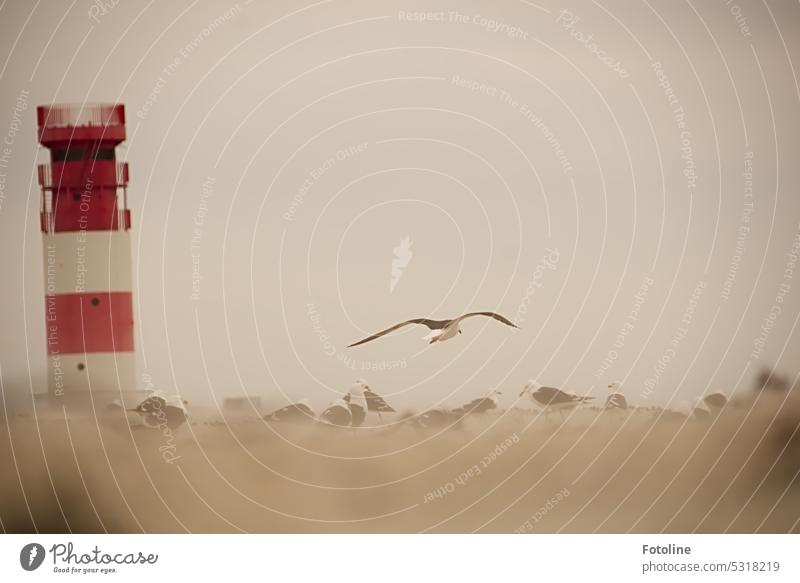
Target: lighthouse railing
[(45, 176), (81, 115), (47, 212), (121, 176), (122, 173)]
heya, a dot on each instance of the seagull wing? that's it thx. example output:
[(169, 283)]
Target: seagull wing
[(479, 405), (150, 404), (338, 413), (616, 401), (553, 396), (376, 403), (432, 324), (494, 315), (293, 412)]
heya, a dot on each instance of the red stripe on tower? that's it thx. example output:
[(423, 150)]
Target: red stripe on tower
[(93, 322), (87, 252)]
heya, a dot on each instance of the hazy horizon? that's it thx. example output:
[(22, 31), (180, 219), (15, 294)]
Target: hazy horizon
[(279, 154)]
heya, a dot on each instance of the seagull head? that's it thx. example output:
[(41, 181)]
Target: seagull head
[(530, 387), (361, 383), (614, 386), (358, 389)]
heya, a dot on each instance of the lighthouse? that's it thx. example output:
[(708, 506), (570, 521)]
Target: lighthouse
[(86, 227)]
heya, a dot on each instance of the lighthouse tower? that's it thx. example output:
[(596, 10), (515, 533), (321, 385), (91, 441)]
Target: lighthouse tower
[(85, 225)]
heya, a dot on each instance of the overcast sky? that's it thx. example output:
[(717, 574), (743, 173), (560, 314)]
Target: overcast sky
[(620, 178)]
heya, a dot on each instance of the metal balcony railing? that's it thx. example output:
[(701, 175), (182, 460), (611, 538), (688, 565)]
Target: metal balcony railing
[(47, 211), (55, 116), (121, 175), (47, 215)]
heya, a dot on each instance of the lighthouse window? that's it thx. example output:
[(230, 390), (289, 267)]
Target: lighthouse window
[(68, 155), (95, 301), (81, 366), (104, 154)]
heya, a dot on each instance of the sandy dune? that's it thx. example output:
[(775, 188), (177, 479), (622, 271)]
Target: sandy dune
[(504, 472)]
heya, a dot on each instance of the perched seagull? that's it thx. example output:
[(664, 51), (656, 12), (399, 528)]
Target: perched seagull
[(440, 330), (771, 380), (338, 413), (552, 398), (700, 412), (715, 402), (357, 403), (157, 410), (436, 417), (709, 406), (375, 403), (300, 412), (176, 413), (155, 401), (481, 405), (616, 400)]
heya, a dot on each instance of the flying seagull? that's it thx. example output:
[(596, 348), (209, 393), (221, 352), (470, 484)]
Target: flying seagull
[(552, 398), (440, 330)]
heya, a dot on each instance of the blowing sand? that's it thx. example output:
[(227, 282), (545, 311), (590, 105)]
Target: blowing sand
[(497, 472)]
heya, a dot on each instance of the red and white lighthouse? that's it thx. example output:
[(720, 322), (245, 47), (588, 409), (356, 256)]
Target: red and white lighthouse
[(85, 225)]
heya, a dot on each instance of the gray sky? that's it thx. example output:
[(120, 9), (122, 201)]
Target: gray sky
[(563, 179)]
